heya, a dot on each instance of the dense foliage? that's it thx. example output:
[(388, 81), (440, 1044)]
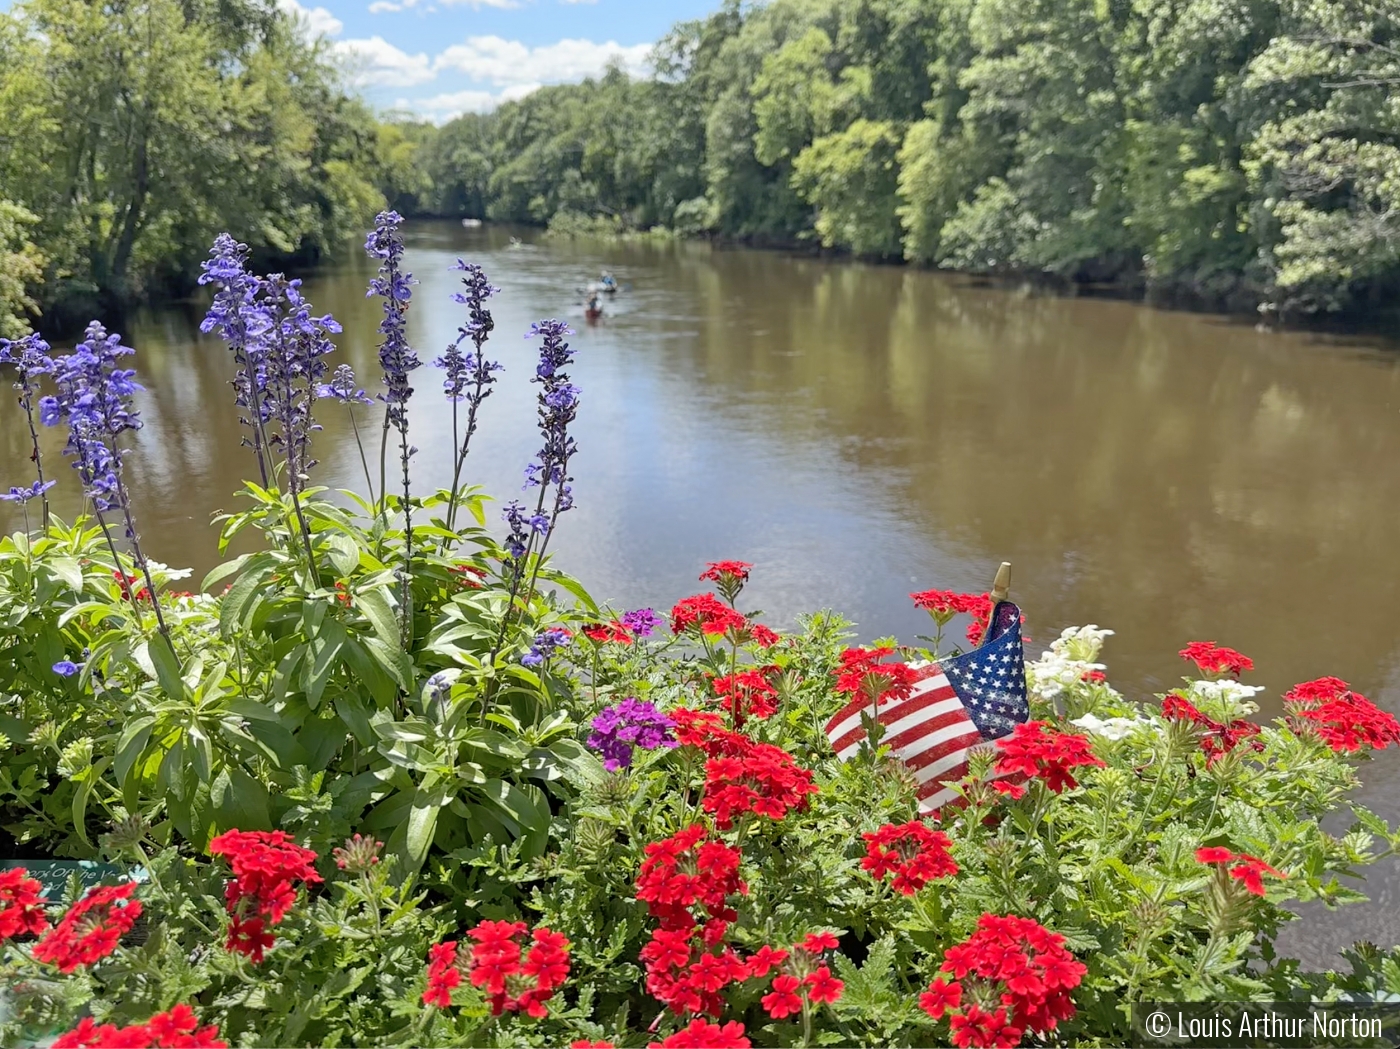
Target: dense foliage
[(390, 780), (1242, 151), (132, 132)]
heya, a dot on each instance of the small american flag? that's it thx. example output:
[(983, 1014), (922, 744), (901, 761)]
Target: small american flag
[(957, 704)]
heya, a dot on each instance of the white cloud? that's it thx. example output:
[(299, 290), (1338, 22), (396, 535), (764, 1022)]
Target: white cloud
[(318, 21), (377, 63), (384, 5), (508, 62), (442, 108)]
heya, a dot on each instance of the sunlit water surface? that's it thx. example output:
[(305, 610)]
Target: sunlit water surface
[(859, 432)]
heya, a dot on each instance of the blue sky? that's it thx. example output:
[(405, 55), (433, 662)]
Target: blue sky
[(439, 58)]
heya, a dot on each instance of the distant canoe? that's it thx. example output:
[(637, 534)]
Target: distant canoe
[(471, 223)]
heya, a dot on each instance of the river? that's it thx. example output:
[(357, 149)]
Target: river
[(859, 432)]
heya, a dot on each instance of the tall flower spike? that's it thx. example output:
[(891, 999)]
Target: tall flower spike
[(94, 399), (30, 357), (243, 322), (469, 375), (397, 358)]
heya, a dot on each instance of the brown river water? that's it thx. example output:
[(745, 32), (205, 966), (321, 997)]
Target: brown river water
[(859, 432)]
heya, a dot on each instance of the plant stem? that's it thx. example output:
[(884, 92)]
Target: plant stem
[(369, 484)]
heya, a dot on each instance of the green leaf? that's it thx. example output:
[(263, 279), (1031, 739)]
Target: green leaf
[(80, 797), (374, 606), (167, 667), (325, 649), (344, 553), (221, 572), (132, 743), (235, 602), (69, 570), (239, 801)]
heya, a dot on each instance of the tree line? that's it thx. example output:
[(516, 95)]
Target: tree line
[(133, 131), (1235, 152), (1244, 152)]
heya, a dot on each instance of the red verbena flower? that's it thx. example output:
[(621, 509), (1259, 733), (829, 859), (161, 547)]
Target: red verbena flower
[(781, 1001), (249, 937), (21, 904), (748, 693), (716, 571), (943, 605), (513, 980), (1094, 677), (708, 614), (763, 779), (816, 942), (1246, 869), (177, 1029), (941, 996), (764, 636), (765, 959), (913, 852), (1036, 749), (1217, 739), (980, 1029), (862, 673), (686, 871), (821, 986), (91, 929), (1345, 720), (701, 1034), (1020, 961), (1216, 659), (443, 974), (612, 632)]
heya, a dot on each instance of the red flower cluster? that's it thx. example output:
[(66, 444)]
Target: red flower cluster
[(1094, 677), (177, 1029), (21, 904), (943, 605), (1036, 749), (707, 613), (684, 871), (914, 852), (1215, 659), (748, 693), (584, 1043), (764, 780), (1345, 720), (514, 980), (1018, 974), (742, 775), (679, 875), (724, 571), (701, 1034), (1248, 870), (1218, 739), (610, 632), (91, 928), (443, 974), (862, 672), (126, 582), (765, 636), (266, 867)]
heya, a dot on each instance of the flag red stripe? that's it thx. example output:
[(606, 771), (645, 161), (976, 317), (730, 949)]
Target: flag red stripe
[(907, 717)]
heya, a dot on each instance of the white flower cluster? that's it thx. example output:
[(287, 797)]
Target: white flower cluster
[(1070, 657), (1225, 699), (1112, 728)]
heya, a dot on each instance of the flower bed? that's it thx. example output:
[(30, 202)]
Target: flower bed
[(389, 780)]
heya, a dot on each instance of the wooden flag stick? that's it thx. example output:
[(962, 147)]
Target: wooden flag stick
[(1001, 587)]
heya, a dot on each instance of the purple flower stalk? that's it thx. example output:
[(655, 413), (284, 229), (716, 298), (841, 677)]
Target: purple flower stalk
[(643, 622), (30, 357), (631, 723), (469, 375), (397, 358), (94, 399), (243, 322), (294, 366), (545, 644)]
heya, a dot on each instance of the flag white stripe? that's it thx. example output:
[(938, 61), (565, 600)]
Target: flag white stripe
[(905, 724), (920, 690)]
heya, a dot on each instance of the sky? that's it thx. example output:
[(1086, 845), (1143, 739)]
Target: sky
[(440, 58)]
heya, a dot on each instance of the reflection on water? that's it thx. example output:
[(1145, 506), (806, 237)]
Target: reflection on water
[(860, 432)]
